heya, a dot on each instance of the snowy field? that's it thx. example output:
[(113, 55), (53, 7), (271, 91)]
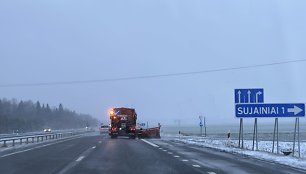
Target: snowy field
[(264, 148)]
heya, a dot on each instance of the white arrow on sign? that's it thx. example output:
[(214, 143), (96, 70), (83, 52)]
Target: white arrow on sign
[(239, 99), (257, 95), (249, 96), (296, 110)]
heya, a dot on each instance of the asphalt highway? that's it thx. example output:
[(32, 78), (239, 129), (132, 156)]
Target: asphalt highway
[(98, 154), (221, 162)]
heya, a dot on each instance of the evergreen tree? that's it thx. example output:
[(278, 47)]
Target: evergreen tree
[(27, 116), (60, 108), (48, 110), (38, 107), (1, 110)]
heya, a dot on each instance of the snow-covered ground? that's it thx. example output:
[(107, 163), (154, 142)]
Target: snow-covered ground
[(264, 148)]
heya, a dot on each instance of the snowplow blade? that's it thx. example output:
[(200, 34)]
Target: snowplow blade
[(149, 133)]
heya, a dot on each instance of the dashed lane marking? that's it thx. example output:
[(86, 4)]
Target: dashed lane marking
[(148, 142), (195, 165), (160, 148), (165, 150), (76, 162), (94, 147), (175, 156), (80, 159), (170, 153), (100, 142), (185, 160), (211, 173)]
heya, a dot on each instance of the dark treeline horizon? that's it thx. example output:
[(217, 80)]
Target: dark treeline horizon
[(27, 116)]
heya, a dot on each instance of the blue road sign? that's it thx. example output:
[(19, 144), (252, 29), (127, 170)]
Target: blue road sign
[(270, 110), (201, 124), (142, 124), (249, 95)]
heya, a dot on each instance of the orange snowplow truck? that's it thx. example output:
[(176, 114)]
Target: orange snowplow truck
[(123, 122)]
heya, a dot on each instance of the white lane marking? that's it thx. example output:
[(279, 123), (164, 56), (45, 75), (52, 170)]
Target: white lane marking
[(148, 142), (94, 147), (170, 153), (195, 165), (100, 142), (165, 150), (45, 145), (175, 156), (160, 148), (74, 163), (80, 159), (185, 160), (211, 173)]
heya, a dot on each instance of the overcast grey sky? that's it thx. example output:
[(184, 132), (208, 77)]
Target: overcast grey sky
[(68, 40)]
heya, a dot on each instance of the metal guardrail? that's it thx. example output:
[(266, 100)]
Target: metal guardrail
[(4, 142), (23, 134)]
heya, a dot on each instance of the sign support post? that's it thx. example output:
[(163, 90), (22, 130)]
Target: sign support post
[(277, 140), (240, 144), (239, 135), (242, 133), (255, 135), (204, 127), (296, 131), (275, 133), (299, 137), (201, 125), (293, 150)]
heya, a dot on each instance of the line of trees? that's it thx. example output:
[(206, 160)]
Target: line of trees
[(27, 116)]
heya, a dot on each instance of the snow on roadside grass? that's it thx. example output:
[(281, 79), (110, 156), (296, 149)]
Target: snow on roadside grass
[(264, 149)]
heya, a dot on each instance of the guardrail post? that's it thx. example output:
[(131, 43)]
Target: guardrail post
[(37, 139), (4, 143), (32, 139), (13, 142), (27, 141), (20, 141)]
